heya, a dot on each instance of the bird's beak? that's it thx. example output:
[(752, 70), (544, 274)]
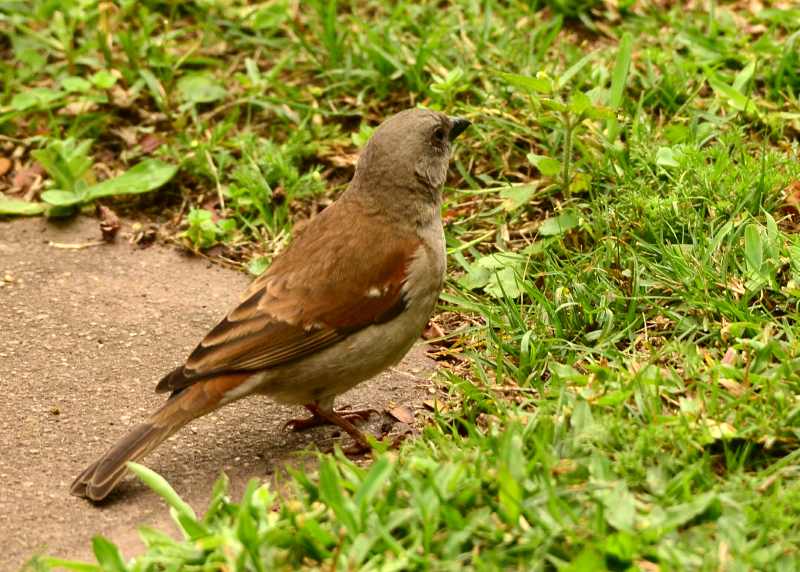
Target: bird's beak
[(458, 126)]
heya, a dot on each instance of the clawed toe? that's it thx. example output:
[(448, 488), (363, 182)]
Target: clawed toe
[(357, 449), (303, 424), (362, 414), (341, 419), (296, 425)]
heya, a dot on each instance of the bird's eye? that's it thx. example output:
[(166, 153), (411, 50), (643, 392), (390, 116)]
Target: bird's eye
[(439, 135)]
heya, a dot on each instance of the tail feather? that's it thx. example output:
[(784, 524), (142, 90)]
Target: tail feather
[(99, 478)]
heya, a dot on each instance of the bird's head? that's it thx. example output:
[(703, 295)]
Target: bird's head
[(409, 153)]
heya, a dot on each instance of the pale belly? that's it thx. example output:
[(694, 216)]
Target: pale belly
[(344, 365)]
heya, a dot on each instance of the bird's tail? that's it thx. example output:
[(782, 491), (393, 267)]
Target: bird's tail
[(100, 478)]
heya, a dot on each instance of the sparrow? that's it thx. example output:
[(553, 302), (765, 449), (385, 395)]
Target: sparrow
[(346, 300)]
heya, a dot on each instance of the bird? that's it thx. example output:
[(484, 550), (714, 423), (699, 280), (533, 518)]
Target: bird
[(344, 301)]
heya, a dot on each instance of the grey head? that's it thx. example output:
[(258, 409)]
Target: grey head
[(408, 154)]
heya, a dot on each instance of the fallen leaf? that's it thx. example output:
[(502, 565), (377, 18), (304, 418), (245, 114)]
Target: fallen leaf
[(121, 97), (150, 143), (791, 201), (344, 160), (734, 387), (648, 566), (402, 413), (435, 405), (79, 107), (730, 357), (127, 134), (142, 236), (564, 466), (737, 287), (278, 195), (109, 222), (5, 166), (27, 178)]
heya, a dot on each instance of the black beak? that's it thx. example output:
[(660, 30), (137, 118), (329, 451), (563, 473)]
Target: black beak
[(458, 126)]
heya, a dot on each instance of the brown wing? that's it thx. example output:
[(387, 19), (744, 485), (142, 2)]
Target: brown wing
[(289, 312)]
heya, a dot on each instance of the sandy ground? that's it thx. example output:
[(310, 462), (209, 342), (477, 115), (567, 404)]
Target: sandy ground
[(85, 334)]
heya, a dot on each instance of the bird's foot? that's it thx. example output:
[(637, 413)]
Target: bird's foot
[(318, 420), (341, 419)]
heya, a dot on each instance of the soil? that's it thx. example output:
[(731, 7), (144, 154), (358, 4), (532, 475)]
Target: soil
[(85, 334)]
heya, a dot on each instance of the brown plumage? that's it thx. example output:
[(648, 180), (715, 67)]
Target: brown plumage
[(345, 301), (99, 478)]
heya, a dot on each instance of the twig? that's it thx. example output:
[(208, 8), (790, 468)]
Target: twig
[(81, 246)]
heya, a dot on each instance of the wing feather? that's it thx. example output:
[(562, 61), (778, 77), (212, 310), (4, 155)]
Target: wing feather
[(288, 313)]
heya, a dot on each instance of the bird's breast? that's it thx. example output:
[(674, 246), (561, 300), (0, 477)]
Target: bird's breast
[(427, 270)]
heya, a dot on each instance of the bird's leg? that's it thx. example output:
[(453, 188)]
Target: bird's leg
[(317, 418), (323, 416)]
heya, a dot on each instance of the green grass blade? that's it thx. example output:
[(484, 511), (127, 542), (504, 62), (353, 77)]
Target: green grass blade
[(161, 487), (619, 77)]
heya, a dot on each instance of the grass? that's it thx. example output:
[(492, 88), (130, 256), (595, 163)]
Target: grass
[(621, 361)]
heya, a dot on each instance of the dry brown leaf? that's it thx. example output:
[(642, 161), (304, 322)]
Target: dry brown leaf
[(647, 566), (435, 405), (278, 195), (5, 166), (730, 357), (127, 134), (27, 179), (121, 97), (734, 387), (150, 143), (791, 202), (402, 413), (344, 160), (737, 287), (75, 108), (564, 466)]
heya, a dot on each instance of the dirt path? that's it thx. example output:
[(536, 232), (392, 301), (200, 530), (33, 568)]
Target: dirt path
[(84, 336)]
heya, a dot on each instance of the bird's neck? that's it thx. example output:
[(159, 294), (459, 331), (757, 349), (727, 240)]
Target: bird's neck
[(414, 204)]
